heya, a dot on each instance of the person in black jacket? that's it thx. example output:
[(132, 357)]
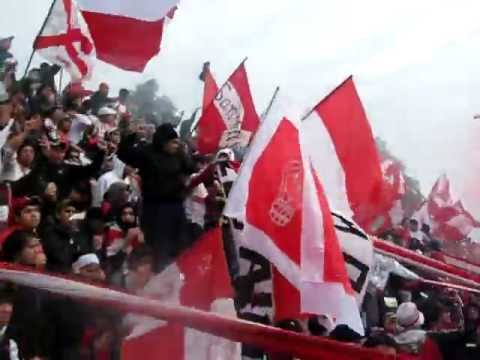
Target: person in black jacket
[(164, 167), (29, 325), (59, 241), (52, 168)]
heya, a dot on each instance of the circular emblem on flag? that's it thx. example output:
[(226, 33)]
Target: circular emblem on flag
[(289, 197)]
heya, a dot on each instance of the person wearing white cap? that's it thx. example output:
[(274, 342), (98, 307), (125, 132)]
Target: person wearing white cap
[(88, 267), (107, 121), (412, 338)]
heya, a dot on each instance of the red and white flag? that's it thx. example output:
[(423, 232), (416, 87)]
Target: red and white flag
[(199, 278), (447, 216), (340, 142), (127, 33), (231, 119), (210, 87), (65, 42), (287, 220), (394, 187)]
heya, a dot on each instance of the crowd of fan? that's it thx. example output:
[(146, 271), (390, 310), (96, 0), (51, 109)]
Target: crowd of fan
[(77, 172)]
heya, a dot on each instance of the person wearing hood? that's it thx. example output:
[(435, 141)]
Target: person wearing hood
[(164, 167), (120, 239)]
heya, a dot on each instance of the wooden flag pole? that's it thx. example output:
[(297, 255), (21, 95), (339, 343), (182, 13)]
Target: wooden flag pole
[(270, 104), (36, 37)]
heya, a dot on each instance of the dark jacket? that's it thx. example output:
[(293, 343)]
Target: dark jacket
[(63, 175), (61, 247), (97, 101), (164, 176)]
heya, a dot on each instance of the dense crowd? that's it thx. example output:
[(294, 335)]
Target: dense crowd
[(77, 174)]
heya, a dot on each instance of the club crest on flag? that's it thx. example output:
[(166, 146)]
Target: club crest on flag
[(289, 198)]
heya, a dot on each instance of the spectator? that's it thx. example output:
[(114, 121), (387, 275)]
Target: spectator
[(344, 333), (412, 338), (382, 343), (164, 167), (140, 269), (52, 168), (26, 216), (5, 45), (59, 241), (47, 74), (8, 346), (6, 116), (29, 325), (17, 164), (321, 325), (44, 100), (88, 267), (91, 231), (106, 121), (121, 238), (100, 98), (121, 104)]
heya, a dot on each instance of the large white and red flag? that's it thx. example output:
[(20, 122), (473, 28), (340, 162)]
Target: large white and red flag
[(445, 214), (199, 279), (231, 119), (340, 142), (64, 41), (287, 220), (127, 33)]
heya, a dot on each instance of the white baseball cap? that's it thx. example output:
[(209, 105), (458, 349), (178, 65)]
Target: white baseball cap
[(106, 111), (409, 316)]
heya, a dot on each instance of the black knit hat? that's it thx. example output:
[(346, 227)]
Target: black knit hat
[(164, 134), (344, 333)]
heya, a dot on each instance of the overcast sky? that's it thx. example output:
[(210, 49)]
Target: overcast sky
[(416, 65)]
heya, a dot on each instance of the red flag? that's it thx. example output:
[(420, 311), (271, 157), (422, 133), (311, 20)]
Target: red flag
[(287, 220), (127, 33), (210, 87), (205, 285), (394, 188), (447, 217), (231, 119), (339, 138), (64, 42)]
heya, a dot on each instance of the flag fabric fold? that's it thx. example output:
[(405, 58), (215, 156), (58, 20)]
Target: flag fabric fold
[(287, 220), (127, 33), (65, 42), (230, 120)]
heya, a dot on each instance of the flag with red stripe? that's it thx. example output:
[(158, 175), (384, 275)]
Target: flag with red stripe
[(65, 42), (231, 119), (287, 220), (127, 33), (341, 144)]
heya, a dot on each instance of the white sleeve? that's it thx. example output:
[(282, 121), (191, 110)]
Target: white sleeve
[(13, 350)]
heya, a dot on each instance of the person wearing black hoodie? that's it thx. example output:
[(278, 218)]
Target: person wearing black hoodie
[(164, 167)]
